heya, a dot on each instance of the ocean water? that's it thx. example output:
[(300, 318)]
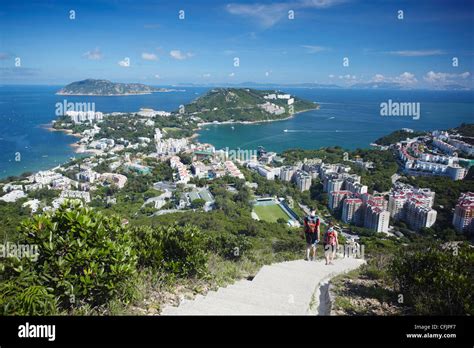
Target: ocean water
[(25, 110), (348, 118)]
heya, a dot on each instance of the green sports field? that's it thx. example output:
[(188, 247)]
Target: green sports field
[(270, 213)]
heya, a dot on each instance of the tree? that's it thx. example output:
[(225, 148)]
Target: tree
[(198, 203)]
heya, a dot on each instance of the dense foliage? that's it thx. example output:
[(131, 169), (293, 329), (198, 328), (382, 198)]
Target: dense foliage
[(179, 250), (240, 104), (84, 258), (437, 282), (104, 87)]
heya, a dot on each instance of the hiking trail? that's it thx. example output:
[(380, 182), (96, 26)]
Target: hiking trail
[(287, 288)]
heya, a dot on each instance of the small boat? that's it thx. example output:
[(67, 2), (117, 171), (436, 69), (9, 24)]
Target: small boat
[(285, 130)]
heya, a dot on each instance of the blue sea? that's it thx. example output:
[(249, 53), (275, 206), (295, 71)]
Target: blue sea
[(25, 112), (348, 118)]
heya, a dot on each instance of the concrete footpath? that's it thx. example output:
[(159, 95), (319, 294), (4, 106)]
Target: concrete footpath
[(286, 288)]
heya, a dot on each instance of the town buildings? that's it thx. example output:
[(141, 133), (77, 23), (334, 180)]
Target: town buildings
[(464, 213), (414, 206)]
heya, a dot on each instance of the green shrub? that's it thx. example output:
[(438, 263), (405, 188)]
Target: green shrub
[(228, 245), (23, 295), (180, 250), (436, 281), (84, 258)]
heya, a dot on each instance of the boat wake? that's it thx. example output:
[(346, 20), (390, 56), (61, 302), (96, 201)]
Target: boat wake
[(317, 131)]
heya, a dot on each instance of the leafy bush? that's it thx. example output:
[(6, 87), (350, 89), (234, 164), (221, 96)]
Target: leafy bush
[(436, 280), (23, 295), (228, 245), (84, 258), (177, 249)]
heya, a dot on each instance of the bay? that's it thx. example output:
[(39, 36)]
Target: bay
[(347, 118)]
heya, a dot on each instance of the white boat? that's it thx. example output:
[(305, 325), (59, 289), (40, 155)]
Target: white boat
[(285, 130)]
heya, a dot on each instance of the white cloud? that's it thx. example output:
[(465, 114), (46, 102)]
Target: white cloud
[(231, 74), (177, 54), (440, 77), (206, 75), (331, 76), (95, 54), (417, 53), (125, 63), (347, 77), (406, 79), (314, 49), (378, 78), (157, 76), (149, 56), (268, 15)]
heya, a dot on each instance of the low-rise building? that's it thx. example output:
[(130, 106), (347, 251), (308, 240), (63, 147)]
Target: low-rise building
[(13, 196), (232, 170), (76, 195)]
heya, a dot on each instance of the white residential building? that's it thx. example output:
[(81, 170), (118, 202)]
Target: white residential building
[(464, 212), (352, 211), (286, 173), (303, 180), (76, 194)]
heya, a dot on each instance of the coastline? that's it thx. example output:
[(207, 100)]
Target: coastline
[(118, 95), (50, 128), (80, 149), (202, 124)]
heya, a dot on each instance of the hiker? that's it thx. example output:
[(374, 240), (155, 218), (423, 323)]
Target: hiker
[(311, 231), (330, 244)]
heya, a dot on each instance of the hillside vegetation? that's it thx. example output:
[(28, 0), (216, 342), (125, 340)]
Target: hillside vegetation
[(241, 104), (105, 87), (397, 136)]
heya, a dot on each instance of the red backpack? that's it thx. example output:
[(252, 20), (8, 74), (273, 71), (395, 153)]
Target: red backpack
[(330, 237)]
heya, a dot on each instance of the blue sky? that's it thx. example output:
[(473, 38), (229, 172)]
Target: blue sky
[(416, 51)]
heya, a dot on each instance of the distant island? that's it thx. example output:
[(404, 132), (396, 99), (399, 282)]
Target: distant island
[(245, 105), (108, 88)]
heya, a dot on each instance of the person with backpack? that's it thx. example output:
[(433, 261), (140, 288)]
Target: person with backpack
[(311, 231), (331, 244)]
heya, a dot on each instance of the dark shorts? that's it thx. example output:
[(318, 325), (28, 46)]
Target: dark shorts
[(311, 238)]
